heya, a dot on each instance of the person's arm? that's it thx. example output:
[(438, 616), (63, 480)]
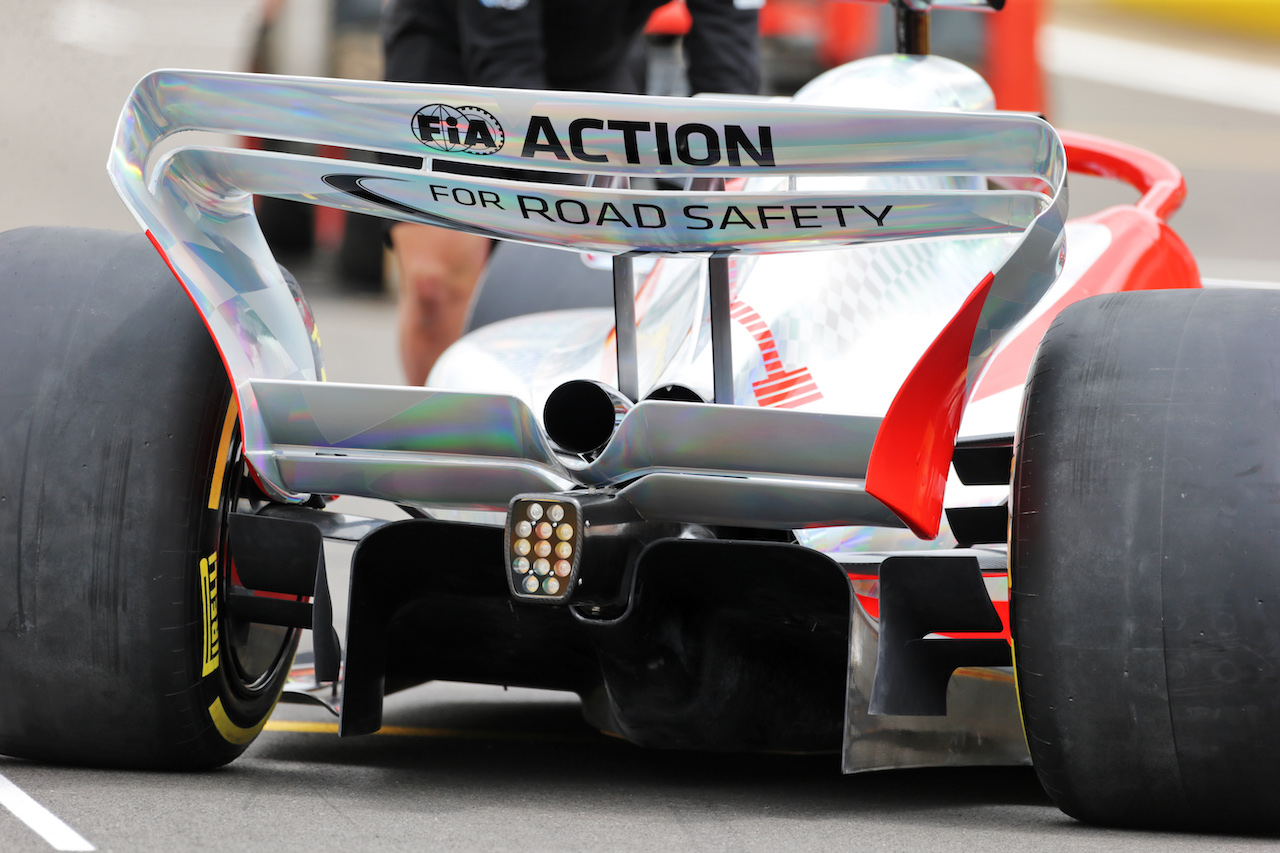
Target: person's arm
[(722, 48)]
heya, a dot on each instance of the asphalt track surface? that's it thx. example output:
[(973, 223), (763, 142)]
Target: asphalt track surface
[(463, 767)]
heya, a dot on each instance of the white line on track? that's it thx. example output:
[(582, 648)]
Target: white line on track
[(1164, 70), (40, 819)]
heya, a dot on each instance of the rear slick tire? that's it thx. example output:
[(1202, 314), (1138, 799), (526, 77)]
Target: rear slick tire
[(1145, 560), (119, 465)]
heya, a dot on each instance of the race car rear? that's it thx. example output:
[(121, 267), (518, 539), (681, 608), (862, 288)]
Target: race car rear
[(715, 512)]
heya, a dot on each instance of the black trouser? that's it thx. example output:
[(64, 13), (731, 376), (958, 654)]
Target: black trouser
[(582, 45)]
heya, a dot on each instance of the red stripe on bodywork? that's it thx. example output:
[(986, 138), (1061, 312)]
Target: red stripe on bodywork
[(909, 461), (780, 389), (787, 394), (782, 381), (792, 403)]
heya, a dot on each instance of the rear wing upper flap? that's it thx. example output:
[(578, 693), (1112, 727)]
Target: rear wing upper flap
[(590, 133), (586, 134)]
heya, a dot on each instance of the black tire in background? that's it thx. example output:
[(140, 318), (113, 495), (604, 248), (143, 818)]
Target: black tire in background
[(1145, 560), (119, 462)]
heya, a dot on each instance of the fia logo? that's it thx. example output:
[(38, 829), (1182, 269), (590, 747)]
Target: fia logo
[(458, 129)]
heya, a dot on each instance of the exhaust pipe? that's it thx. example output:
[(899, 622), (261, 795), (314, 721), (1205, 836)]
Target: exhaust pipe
[(676, 393), (581, 415)]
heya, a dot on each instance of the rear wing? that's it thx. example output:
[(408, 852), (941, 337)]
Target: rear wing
[(196, 201), (585, 135)]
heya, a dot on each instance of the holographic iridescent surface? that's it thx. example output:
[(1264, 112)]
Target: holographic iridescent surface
[(852, 321), (873, 176), (446, 448), (891, 199)]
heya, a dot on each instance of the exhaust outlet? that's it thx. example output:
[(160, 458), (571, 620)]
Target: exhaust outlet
[(581, 415), (675, 392)]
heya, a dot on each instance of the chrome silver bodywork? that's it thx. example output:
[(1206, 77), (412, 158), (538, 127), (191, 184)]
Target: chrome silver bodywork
[(849, 322), (196, 201), (889, 200)]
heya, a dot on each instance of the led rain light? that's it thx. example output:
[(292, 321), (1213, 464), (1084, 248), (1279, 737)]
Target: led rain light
[(534, 572)]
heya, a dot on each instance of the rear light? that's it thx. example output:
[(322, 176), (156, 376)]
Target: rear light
[(547, 577), (576, 548)]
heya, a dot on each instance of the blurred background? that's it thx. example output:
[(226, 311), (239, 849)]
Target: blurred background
[(1197, 81)]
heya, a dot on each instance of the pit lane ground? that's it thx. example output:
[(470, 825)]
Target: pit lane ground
[(479, 770)]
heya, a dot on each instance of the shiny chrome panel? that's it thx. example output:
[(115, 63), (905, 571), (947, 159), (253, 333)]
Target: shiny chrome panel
[(379, 116), (476, 451), (339, 416), (409, 445), (430, 479), (612, 220), (734, 440), (764, 502)]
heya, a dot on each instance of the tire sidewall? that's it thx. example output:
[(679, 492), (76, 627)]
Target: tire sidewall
[(234, 712)]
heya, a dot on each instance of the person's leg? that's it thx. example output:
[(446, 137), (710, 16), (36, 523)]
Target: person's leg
[(723, 46), (438, 273)]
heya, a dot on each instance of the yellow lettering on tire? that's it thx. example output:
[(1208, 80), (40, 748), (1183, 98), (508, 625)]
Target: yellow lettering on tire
[(209, 610)]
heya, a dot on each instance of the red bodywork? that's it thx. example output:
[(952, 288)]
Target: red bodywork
[(1144, 254), (907, 471)]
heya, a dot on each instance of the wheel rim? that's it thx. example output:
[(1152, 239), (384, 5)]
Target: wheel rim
[(256, 652)]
